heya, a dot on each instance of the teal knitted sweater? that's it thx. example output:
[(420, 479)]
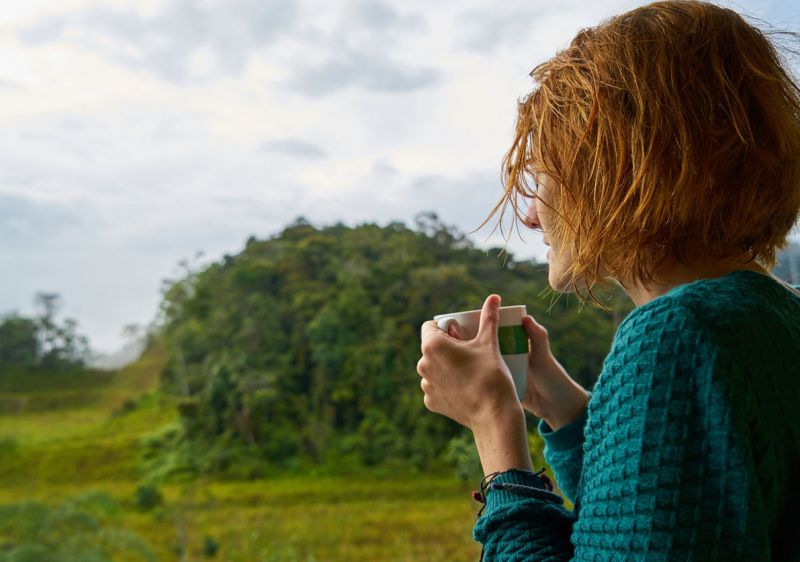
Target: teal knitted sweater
[(689, 448)]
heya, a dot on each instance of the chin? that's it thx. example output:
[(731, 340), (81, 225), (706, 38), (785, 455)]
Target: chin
[(558, 281)]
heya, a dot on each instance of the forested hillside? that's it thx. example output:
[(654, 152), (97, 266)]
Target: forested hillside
[(302, 348)]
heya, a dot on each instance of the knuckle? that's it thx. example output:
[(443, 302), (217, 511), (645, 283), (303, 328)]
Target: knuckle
[(430, 346)]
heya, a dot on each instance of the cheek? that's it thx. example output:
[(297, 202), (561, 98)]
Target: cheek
[(531, 216), (542, 210)]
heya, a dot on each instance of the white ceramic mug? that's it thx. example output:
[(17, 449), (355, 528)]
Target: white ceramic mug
[(510, 334)]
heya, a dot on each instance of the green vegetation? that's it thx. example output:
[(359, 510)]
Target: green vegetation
[(41, 342), (76, 471), (301, 350), (276, 415), (76, 529)]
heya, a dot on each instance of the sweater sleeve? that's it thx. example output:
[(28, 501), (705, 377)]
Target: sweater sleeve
[(650, 485), (563, 451)]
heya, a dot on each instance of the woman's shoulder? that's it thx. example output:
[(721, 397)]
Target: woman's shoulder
[(741, 300), (737, 329), (744, 322)]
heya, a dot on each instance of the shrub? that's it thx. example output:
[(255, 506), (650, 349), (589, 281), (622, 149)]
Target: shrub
[(210, 547), (148, 497)]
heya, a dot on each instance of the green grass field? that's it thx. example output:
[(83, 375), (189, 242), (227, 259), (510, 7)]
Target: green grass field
[(68, 469)]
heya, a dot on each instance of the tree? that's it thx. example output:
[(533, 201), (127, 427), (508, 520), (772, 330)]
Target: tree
[(19, 341), (42, 341), (47, 306)]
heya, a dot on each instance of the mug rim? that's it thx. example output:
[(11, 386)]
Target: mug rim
[(451, 314)]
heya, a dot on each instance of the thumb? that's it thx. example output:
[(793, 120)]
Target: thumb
[(490, 318)]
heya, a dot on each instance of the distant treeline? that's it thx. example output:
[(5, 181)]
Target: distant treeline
[(303, 347), (42, 341)]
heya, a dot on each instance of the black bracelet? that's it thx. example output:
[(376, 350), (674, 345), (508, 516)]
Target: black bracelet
[(545, 492), (528, 491)]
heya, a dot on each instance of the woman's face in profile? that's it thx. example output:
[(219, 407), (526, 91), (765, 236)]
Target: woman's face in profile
[(538, 217)]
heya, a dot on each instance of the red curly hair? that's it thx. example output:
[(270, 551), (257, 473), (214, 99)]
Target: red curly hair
[(670, 131)]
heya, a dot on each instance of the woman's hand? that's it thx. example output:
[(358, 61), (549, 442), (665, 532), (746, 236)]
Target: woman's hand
[(467, 381), (550, 392)]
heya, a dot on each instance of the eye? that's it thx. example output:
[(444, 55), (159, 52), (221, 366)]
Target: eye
[(532, 185)]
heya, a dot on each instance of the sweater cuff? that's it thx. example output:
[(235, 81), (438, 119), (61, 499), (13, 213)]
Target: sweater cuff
[(510, 487), (567, 436)]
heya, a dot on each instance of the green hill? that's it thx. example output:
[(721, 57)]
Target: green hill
[(301, 350)]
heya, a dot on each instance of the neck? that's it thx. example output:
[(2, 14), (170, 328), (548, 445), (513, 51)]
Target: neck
[(674, 274)]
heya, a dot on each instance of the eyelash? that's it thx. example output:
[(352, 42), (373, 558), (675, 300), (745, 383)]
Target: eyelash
[(531, 195)]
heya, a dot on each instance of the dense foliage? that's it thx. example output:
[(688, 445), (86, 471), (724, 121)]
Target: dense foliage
[(303, 347), (42, 341)]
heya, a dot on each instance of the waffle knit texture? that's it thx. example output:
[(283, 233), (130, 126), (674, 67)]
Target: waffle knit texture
[(689, 448)]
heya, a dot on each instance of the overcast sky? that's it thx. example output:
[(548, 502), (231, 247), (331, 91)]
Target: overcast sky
[(134, 134)]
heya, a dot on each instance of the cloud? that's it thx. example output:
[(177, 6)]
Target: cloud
[(371, 71), (27, 223), (185, 40), (48, 28), (294, 147), (383, 170), (533, 25), (484, 31), (369, 45), (6, 84), (140, 178), (382, 17)]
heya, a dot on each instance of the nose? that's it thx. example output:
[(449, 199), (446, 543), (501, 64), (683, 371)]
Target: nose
[(531, 218)]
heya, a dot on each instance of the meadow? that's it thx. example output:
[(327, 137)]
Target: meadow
[(69, 446)]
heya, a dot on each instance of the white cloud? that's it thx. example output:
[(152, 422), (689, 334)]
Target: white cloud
[(170, 41), (294, 147)]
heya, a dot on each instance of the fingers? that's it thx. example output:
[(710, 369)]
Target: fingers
[(428, 328), (529, 327), (427, 400), (533, 329), (454, 330), (430, 342), (428, 403), (537, 336), (490, 318)]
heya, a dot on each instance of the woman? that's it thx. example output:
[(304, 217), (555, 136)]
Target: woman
[(665, 149)]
